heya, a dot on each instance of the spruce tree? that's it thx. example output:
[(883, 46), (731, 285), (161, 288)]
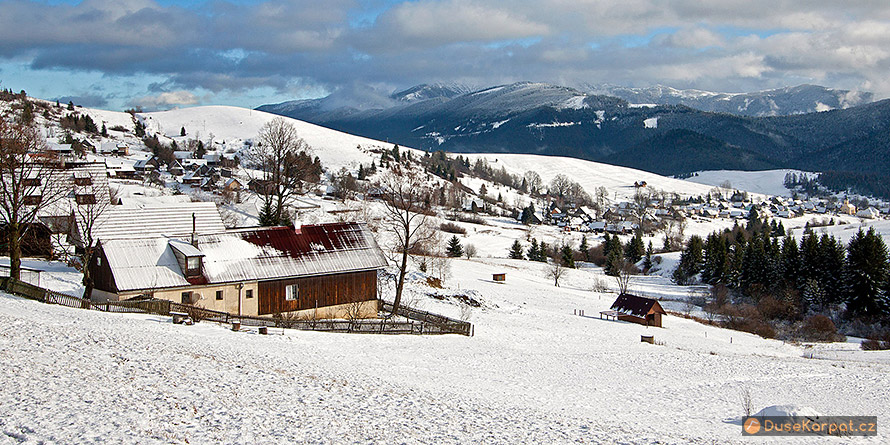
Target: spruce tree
[(635, 249), (543, 252), (104, 131), (567, 256), (533, 250), (647, 260), (182, 131), (584, 248), (454, 249), (867, 274), (516, 251)]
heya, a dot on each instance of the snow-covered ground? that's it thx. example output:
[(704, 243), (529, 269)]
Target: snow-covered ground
[(533, 373), (619, 181), (767, 182)]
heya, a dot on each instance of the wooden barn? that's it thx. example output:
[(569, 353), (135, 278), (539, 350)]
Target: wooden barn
[(315, 271), (640, 310)]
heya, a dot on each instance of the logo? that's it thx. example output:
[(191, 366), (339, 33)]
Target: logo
[(752, 426)]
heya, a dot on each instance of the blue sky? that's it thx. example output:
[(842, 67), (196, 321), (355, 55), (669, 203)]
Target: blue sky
[(162, 54)]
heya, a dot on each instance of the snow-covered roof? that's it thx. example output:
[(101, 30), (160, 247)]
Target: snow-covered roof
[(170, 219), (62, 186), (245, 255)]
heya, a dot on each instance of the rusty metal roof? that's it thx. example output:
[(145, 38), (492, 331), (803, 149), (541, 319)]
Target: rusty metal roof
[(247, 255)]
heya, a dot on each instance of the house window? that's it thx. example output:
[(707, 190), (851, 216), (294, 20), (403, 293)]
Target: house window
[(219, 295), (193, 264), (85, 199), (33, 200), (186, 298), (248, 293), (98, 261), (83, 181), (291, 292), (31, 182)]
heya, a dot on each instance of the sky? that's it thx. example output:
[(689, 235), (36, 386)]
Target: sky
[(165, 54)]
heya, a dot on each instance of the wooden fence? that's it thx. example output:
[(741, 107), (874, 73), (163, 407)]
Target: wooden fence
[(417, 322)]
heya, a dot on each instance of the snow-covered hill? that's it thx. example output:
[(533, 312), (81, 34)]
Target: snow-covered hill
[(534, 372)]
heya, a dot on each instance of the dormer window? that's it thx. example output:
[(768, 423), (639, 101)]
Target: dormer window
[(189, 257), (193, 266), (33, 200), (85, 199), (31, 182), (83, 181)]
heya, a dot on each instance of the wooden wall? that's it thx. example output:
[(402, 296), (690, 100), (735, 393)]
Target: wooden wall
[(326, 290)]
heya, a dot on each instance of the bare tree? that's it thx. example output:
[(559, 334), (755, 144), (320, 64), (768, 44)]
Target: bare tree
[(469, 251), (405, 197), (25, 190), (284, 165), (556, 269), (626, 271), (87, 216), (642, 201), (533, 181)]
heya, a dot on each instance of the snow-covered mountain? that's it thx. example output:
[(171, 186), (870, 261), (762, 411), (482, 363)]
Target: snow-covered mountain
[(778, 102)]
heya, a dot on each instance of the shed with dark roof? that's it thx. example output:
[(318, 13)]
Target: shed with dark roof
[(635, 309)]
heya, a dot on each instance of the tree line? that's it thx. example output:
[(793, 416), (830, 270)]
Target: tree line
[(819, 274)]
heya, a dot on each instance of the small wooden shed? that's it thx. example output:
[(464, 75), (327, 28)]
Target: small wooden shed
[(499, 277), (640, 310)]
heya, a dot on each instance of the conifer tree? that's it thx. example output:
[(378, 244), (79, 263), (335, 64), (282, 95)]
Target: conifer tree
[(647, 260), (584, 248), (533, 250), (454, 249), (867, 274), (182, 131), (635, 249), (567, 256), (516, 251)]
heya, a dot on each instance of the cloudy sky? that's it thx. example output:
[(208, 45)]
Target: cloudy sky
[(162, 54)]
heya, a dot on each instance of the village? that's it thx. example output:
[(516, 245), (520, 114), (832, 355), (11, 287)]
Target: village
[(154, 236)]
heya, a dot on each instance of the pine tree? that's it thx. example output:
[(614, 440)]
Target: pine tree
[(533, 251), (70, 106), (635, 249), (867, 274), (454, 249), (104, 131), (516, 251), (647, 260), (567, 256), (543, 252), (690, 261), (584, 248), (182, 131)]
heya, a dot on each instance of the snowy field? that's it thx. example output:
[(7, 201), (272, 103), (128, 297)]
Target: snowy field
[(533, 373), (767, 182)]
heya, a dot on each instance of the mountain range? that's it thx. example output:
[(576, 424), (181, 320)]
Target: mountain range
[(808, 127)]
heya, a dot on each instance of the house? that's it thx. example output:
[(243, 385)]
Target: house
[(114, 148), (145, 165), (182, 155), (640, 310), (175, 169), (233, 185), (315, 271), (597, 226), (869, 213), (141, 219), (846, 208)]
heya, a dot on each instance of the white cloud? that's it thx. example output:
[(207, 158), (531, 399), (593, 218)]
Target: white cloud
[(167, 100)]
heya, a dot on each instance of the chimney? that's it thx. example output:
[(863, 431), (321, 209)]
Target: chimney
[(194, 231)]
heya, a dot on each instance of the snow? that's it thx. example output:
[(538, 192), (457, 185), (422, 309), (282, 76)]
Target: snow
[(767, 182), (617, 180), (534, 372), (234, 126), (574, 103), (652, 122), (553, 124)]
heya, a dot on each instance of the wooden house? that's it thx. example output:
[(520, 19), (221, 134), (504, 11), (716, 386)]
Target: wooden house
[(640, 310), (317, 271)]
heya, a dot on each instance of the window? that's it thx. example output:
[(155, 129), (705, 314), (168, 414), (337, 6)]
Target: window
[(98, 261), (248, 293), (83, 181), (85, 199), (33, 200), (186, 298), (219, 295), (291, 292), (193, 263), (31, 182)]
